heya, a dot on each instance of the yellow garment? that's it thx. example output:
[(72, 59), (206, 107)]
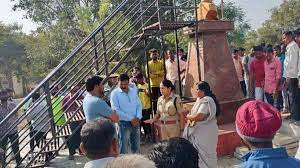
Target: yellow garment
[(168, 112), (156, 72), (145, 98)]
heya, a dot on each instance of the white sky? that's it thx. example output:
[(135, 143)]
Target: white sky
[(257, 11)]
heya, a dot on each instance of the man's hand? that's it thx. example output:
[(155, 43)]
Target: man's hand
[(135, 122), (185, 112), (114, 117), (150, 121)]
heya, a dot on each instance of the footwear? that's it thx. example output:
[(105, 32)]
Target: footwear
[(284, 111), (71, 157)]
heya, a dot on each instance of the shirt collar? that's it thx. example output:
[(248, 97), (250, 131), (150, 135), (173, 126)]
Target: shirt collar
[(272, 60), (131, 86), (100, 163), (265, 153), (291, 43), (170, 97)]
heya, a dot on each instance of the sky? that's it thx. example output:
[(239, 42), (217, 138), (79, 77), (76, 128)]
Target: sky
[(257, 11)]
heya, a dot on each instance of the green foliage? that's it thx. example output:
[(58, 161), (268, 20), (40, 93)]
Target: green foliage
[(171, 41), (64, 23), (285, 17), (232, 12), (236, 38), (13, 61)]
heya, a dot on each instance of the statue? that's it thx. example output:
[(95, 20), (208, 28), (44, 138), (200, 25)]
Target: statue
[(207, 10)]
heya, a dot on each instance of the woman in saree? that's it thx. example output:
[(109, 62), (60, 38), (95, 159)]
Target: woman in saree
[(201, 128)]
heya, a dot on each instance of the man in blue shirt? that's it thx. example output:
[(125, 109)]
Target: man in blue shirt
[(93, 106), (125, 100), (257, 123)]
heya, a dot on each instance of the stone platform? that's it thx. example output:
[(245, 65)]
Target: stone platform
[(228, 140)]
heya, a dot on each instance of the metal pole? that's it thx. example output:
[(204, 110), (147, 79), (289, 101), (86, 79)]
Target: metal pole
[(176, 43), (158, 14), (50, 110), (197, 40), (104, 52), (222, 9), (149, 87), (96, 54), (163, 55)]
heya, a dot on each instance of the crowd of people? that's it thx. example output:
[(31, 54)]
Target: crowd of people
[(183, 142), (271, 73), (120, 114)]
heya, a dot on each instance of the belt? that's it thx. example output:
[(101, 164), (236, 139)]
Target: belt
[(169, 122)]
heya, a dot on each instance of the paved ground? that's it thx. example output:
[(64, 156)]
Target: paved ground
[(63, 162), (286, 137)]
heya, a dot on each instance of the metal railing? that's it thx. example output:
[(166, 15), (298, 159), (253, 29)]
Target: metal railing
[(108, 49)]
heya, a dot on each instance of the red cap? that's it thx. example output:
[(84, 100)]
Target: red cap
[(257, 121)]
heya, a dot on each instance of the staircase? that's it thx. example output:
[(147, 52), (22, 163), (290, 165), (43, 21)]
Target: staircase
[(115, 46)]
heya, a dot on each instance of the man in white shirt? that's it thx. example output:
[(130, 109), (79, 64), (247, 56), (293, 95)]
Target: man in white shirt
[(246, 61), (172, 70), (292, 73), (99, 142)]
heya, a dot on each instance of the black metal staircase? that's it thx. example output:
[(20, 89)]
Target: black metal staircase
[(107, 50)]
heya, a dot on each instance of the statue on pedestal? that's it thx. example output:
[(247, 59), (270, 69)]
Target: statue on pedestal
[(207, 10)]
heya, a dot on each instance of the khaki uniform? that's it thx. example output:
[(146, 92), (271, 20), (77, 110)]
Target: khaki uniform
[(169, 117)]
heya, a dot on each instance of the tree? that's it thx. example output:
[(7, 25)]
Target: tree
[(285, 17), (232, 12), (236, 38), (64, 24), (13, 61)]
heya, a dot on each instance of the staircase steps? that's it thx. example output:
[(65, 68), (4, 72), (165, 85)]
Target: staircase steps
[(143, 35), (168, 25), (79, 116), (40, 161), (64, 132), (52, 146)]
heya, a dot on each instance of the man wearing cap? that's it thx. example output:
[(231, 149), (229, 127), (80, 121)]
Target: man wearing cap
[(257, 123), (156, 75), (5, 108)]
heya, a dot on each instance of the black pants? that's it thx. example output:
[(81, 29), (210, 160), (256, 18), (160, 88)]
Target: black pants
[(38, 137), (243, 87), (271, 100), (295, 96), (74, 141), (15, 146), (31, 133), (146, 116), (280, 101), (155, 94)]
